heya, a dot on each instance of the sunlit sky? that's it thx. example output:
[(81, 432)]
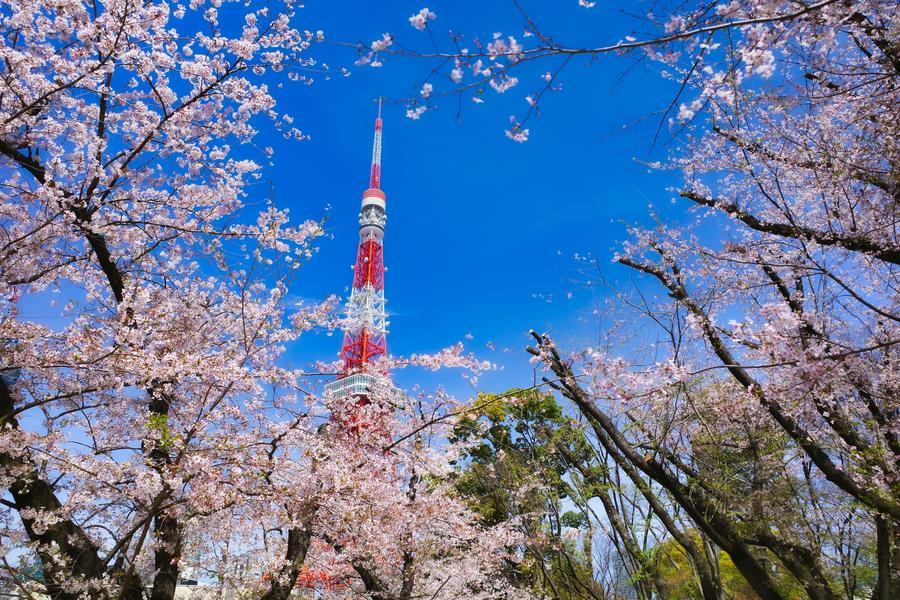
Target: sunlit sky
[(482, 232)]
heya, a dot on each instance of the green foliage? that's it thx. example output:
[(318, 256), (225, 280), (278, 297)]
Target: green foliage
[(513, 470), (674, 573), (570, 518), (159, 424), (512, 437)]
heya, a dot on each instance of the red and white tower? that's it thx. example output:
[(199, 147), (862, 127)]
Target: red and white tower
[(365, 325)]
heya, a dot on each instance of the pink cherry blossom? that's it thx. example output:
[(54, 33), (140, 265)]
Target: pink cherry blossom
[(421, 18)]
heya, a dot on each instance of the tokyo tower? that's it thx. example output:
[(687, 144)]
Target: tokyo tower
[(365, 325)]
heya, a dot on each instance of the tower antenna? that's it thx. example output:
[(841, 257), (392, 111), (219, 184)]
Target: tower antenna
[(375, 173)]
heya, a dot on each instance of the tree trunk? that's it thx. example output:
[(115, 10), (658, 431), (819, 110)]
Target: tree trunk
[(299, 539), (377, 590), (710, 586), (888, 554), (754, 572), (166, 528), (166, 557), (408, 576)]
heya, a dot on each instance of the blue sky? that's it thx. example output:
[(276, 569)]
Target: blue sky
[(481, 231)]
